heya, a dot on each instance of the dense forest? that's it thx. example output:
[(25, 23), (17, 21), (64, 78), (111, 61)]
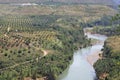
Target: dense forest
[(108, 68)]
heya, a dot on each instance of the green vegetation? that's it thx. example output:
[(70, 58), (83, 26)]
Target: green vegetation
[(39, 41), (24, 39), (108, 68), (108, 25)]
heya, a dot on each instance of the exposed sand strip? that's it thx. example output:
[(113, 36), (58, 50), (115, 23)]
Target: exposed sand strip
[(94, 57)]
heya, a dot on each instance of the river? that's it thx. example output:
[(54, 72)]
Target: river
[(81, 68)]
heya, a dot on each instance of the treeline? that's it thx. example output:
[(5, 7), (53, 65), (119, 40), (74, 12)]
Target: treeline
[(107, 25), (108, 68), (33, 33)]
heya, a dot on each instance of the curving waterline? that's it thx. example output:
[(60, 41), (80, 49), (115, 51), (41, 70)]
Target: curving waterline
[(80, 68)]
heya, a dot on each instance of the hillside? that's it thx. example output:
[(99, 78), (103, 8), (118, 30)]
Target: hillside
[(85, 12), (38, 41), (108, 67), (25, 40), (28, 33), (108, 2), (87, 1)]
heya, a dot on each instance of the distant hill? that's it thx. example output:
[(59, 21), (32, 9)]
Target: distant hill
[(108, 2), (117, 1), (87, 1)]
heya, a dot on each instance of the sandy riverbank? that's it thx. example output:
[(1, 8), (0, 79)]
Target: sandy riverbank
[(96, 39), (92, 58)]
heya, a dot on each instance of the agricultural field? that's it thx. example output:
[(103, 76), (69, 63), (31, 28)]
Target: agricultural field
[(27, 39), (38, 41), (21, 37)]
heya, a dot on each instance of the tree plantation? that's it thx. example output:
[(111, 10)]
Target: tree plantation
[(37, 42)]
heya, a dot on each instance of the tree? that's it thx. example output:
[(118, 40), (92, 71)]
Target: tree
[(116, 19)]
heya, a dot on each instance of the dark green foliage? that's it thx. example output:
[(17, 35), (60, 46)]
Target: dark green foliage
[(110, 64), (37, 66), (111, 60)]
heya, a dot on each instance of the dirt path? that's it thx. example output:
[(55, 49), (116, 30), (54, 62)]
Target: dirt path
[(45, 52), (15, 65), (22, 63)]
